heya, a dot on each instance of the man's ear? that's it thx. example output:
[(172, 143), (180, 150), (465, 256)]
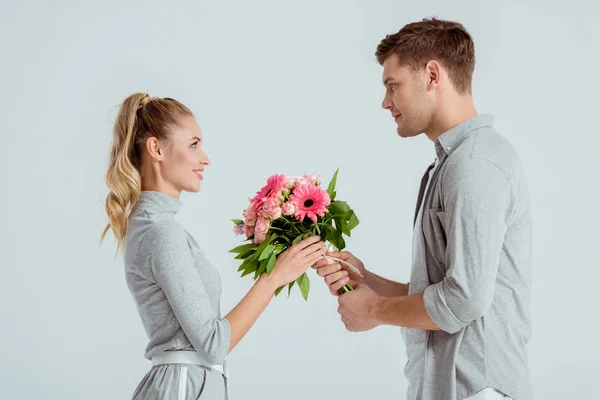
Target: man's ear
[(433, 71)]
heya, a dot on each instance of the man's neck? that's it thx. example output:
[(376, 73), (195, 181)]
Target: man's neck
[(452, 114)]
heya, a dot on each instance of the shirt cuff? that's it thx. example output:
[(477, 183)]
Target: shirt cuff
[(438, 310)]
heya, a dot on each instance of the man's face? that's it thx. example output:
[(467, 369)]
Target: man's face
[(407, 97)]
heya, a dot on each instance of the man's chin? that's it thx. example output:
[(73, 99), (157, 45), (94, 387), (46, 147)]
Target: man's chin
[(405, 134)]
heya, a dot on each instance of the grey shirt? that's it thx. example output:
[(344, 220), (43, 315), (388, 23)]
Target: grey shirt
[(175, 288), (472, 260)]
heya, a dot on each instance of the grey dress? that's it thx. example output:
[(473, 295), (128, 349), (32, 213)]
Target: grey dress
[(177, 293)]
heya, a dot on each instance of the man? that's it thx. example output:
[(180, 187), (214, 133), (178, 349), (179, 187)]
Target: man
[(465, 313)]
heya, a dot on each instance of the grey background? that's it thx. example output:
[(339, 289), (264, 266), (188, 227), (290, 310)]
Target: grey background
[(288, 87)]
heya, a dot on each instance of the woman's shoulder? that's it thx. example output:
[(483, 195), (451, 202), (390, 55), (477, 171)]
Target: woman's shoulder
[(156, 240), (166, 234)]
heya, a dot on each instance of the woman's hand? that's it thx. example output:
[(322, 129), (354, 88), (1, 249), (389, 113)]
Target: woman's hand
[(293, 262)]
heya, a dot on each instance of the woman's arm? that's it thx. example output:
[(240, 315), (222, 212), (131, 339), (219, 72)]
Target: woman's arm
[(290, 265)]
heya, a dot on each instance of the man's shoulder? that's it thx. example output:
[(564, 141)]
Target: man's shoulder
[(485, 146)]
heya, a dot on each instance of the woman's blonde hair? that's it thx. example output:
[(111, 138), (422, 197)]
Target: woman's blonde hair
[(140, 117)]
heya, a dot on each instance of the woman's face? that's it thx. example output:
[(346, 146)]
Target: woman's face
[(183, 158)]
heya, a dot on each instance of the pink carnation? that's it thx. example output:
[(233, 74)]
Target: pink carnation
[(288, 208), (290, 182), (248, 231), (271, 209), (310, 201), (251, 214), (312, 179), (261, 229), (297, 181)]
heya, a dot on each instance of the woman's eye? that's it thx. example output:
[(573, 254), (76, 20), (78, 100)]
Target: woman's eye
[(194, 145)]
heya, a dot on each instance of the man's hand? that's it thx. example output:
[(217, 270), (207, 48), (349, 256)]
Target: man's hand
[(336, 275), (359, 309)]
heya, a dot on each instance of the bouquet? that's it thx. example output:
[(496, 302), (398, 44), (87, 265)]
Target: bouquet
[(284, 212)]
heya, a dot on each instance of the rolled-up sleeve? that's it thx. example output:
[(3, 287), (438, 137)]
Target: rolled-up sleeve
[(475, 199), (174, 268)]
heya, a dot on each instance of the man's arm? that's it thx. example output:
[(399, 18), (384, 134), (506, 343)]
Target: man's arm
[(407, 311), (476, 212), (476, 220), (385, 287)]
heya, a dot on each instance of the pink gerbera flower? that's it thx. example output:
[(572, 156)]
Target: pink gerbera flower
[(310, 201), (273, 188)]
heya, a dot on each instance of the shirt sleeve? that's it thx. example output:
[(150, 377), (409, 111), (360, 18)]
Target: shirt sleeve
[(174, 268), (475, 199)]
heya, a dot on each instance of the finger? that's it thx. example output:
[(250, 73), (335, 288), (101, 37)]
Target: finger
[(312, 258), (321, 263), (329, 269), (318, 248), (298, 247), (309, 241), (336, 286), (332, 278), (344, 255)]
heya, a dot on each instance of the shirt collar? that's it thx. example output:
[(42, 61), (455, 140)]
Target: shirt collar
[(450, 139), (158, 202)]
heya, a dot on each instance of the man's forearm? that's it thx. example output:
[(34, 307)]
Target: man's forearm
[(385, 287), (406, 311)]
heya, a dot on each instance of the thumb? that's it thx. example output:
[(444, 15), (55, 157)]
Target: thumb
[(344, 255)]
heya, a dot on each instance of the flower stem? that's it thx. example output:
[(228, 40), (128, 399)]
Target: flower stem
[(347, 288)]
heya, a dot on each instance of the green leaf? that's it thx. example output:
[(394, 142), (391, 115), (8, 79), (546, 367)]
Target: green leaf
[(245, 264), (253, 256), (290, 288), (262, 267), (338, 207), (242, 256), (334, 236), (271, 264), (280, 248), (251, 268), (300, 238), (266, 252), (266, 243), (279, 289), (352, 222), (341, 225), (237, 221), (331, 187), (304, 284), (243, 248)]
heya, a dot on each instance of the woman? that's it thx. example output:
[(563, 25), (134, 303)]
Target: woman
[(156, 154)]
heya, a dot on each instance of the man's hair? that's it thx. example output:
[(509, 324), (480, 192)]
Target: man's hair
[(447, 42)]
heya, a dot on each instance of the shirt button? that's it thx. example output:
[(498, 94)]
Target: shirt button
[(448, 148)]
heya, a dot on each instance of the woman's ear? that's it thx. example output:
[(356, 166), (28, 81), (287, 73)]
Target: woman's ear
[(154, 149)]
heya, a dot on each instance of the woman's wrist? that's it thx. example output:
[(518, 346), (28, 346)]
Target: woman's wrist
[(270, 282)]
